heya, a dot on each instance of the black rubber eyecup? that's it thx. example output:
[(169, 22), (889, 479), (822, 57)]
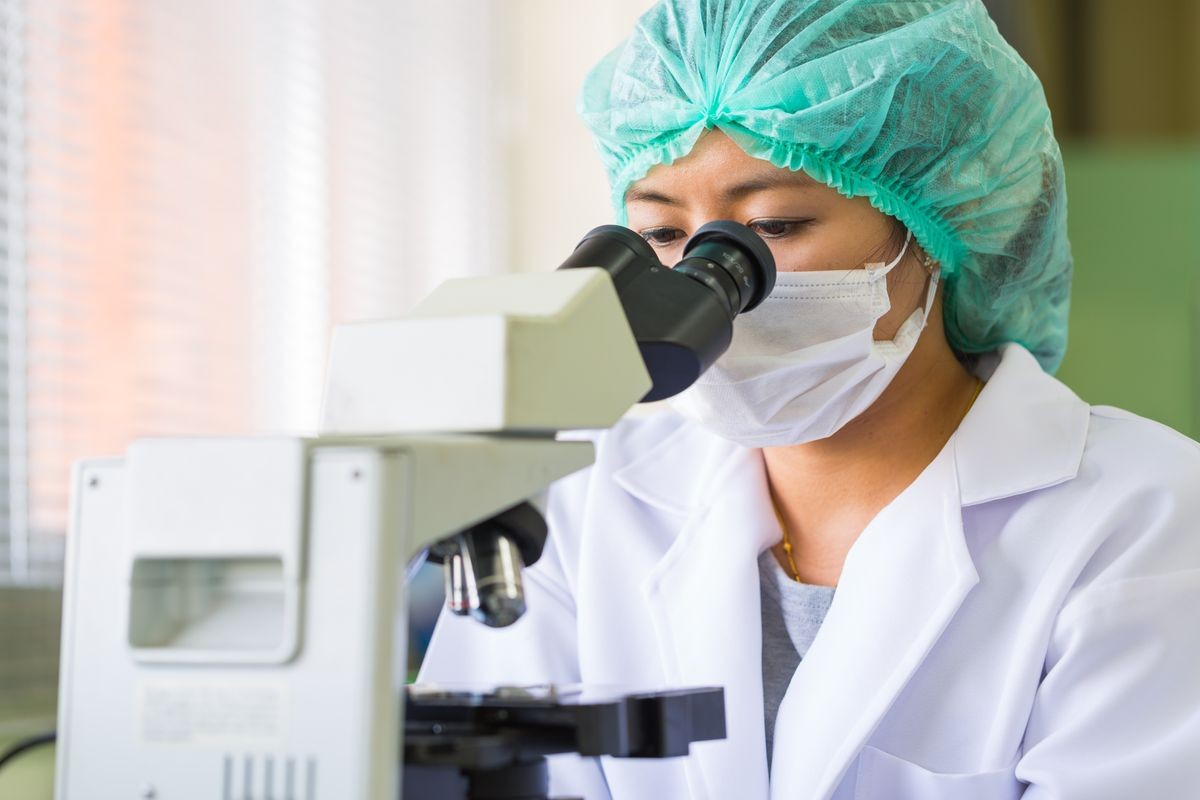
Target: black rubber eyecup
[(625, 236), (747, 240)]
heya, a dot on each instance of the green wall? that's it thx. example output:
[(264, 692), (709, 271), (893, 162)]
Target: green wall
[(1135, 308)]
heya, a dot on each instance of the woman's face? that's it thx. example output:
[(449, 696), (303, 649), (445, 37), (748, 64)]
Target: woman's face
[(807, 225)]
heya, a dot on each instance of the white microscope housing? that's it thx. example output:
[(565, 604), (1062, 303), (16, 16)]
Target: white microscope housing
[(233, 622), (234, 618)]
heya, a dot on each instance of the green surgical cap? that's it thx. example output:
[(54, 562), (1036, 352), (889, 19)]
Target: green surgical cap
[(922, 107)]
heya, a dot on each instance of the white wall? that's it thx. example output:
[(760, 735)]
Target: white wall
[(557, 190)]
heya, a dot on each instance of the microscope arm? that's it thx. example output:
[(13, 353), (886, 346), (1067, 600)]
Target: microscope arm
[(523, 355)]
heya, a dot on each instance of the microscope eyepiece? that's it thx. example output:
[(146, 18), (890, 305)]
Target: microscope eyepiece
[(682, 318), (618, 235), (733, 261)]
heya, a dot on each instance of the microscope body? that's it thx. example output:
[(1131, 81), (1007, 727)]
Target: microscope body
[(234, 607), (234, 612)]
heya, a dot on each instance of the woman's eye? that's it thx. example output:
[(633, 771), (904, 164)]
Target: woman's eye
[(775, 228), (661, 237)]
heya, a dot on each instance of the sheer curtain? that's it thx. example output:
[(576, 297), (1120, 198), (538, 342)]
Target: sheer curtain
[(204, 188), (193, 193)]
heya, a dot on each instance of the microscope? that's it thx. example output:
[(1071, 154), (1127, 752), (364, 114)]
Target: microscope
[(233, 622)]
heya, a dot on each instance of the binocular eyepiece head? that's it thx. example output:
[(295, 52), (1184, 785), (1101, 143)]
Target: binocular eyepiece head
[(682, 318)]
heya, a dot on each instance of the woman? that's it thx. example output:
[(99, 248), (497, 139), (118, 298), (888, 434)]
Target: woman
[(919, 566)]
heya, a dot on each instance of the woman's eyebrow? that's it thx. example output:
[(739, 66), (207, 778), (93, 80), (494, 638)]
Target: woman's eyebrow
[(649, 196), (774, 180), (730, 194)]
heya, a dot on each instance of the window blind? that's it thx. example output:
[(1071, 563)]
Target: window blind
[(14, 543), (194, 193)]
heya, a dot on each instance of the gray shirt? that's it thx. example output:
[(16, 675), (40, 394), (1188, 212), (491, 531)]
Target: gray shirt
[(792, 613)]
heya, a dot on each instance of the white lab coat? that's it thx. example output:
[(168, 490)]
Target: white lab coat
[(1022, 622)]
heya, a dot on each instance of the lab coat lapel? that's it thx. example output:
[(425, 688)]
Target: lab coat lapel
[(704, 603), (902, 582), (910, 571)]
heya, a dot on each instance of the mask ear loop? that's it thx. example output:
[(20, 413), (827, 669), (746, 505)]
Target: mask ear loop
[(878, 269), (935, 275)]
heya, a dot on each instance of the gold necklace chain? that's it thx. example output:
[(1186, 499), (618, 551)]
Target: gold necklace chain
[(974, 397), (787, 549), (787, 543)]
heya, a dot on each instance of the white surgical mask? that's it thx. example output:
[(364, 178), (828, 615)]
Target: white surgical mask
[(805, 362)]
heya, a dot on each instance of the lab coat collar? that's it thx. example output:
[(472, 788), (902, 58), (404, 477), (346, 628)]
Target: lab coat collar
[(902, 583), (669, 474), (1025, 432)]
